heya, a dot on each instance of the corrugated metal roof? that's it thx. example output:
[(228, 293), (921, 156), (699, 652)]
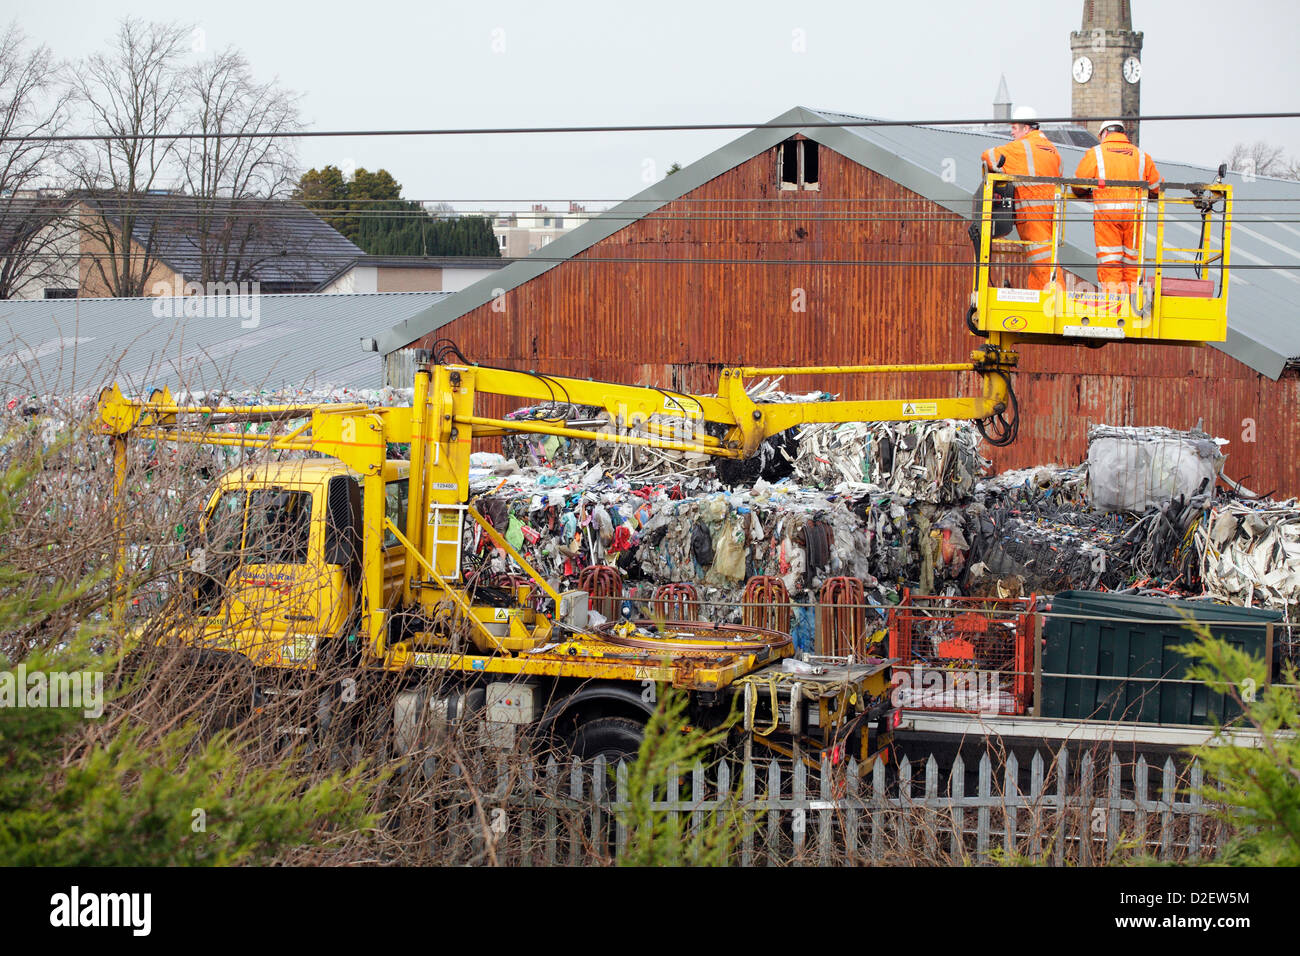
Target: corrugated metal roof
[(942, 164), (75, 346)]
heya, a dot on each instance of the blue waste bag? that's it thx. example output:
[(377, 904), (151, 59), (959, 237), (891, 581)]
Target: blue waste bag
[(803, 627)]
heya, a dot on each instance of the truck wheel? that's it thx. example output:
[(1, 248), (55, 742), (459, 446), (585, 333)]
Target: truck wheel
[(616, 738)]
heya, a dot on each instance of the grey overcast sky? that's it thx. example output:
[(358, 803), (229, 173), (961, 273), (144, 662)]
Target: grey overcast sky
[(438, 64)]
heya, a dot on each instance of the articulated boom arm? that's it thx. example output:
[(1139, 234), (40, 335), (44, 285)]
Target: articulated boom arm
[(442, 422), (443, 411), (632, 407)]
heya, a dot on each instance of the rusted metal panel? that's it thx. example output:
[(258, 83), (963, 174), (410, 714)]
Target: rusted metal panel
[(740, 271)]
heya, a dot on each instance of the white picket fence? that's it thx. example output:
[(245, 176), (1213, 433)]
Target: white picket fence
[(1072, 812)]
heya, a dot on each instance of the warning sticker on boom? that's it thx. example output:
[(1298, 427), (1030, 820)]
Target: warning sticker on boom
[(920, 408), (1018, 295)]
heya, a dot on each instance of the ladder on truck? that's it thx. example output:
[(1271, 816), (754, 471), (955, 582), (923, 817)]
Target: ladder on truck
[(1181, 296)]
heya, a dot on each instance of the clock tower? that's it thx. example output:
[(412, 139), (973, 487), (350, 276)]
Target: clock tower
[(1106, 65)]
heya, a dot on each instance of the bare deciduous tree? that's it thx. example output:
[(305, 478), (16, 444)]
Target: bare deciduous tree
[(235, 182), (130, 94), (34, 233), (1263, 159)]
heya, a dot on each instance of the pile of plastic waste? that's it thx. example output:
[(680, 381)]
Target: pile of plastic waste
[(678, 529), (901, 504), (934, 462), (1250, 553)]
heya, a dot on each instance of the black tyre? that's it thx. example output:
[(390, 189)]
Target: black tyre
[(615, 738)]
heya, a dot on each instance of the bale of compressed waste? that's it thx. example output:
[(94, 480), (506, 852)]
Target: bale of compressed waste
[(1133, 469)]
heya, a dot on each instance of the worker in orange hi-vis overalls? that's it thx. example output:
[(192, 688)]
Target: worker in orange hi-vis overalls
[(1031, 154), (1115, 210)]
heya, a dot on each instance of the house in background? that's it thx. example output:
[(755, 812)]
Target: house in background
[(522, 233), (39, 246), (278, 244), (173, 240), (410, 273)]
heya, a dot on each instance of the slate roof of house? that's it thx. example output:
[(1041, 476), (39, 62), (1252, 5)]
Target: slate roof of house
[(279, 243)]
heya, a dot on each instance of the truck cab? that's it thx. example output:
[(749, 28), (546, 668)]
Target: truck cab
[(276, 568)]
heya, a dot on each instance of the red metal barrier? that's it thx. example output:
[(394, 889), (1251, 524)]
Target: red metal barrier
[(676, 602), (767, 604), (842, 619), (967, 654), (605, 586)]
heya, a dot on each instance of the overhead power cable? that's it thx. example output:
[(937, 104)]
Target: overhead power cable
[(497, 207), (308, 258), (624, 128)]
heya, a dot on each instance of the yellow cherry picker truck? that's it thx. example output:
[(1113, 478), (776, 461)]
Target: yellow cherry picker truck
[(346, 552)]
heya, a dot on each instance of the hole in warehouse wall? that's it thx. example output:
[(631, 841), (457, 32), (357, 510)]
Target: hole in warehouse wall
[(788, 164), (810, 178), (798, 165)]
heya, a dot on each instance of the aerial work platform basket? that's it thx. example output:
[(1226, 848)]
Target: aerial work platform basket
[(1181, 295)]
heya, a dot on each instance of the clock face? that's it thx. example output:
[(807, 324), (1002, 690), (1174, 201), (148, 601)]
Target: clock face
[(1082, 70), (1132, 69)]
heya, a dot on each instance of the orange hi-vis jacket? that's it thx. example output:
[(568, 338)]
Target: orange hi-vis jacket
[(1117, 158), (1031, 155), (1115, 209)]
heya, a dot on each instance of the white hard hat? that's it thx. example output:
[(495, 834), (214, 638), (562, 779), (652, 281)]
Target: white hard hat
[(1024, 114), (1112, 124)]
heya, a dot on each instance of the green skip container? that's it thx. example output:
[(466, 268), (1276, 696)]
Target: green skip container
[(1114, 646)]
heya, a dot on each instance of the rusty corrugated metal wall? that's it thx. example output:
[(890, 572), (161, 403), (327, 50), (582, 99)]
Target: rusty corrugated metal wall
[(719, 277)]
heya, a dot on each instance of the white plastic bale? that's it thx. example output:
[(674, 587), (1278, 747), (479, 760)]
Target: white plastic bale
[(1133, 469)]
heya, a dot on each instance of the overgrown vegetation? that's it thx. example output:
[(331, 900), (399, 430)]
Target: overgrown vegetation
[(657, 837), (141, 798), (1256, 789), (87, 778)]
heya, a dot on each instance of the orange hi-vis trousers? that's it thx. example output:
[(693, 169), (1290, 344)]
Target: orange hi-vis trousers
[(1033, 155), (1117, 249), (1037, 232), (1116, 210)]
